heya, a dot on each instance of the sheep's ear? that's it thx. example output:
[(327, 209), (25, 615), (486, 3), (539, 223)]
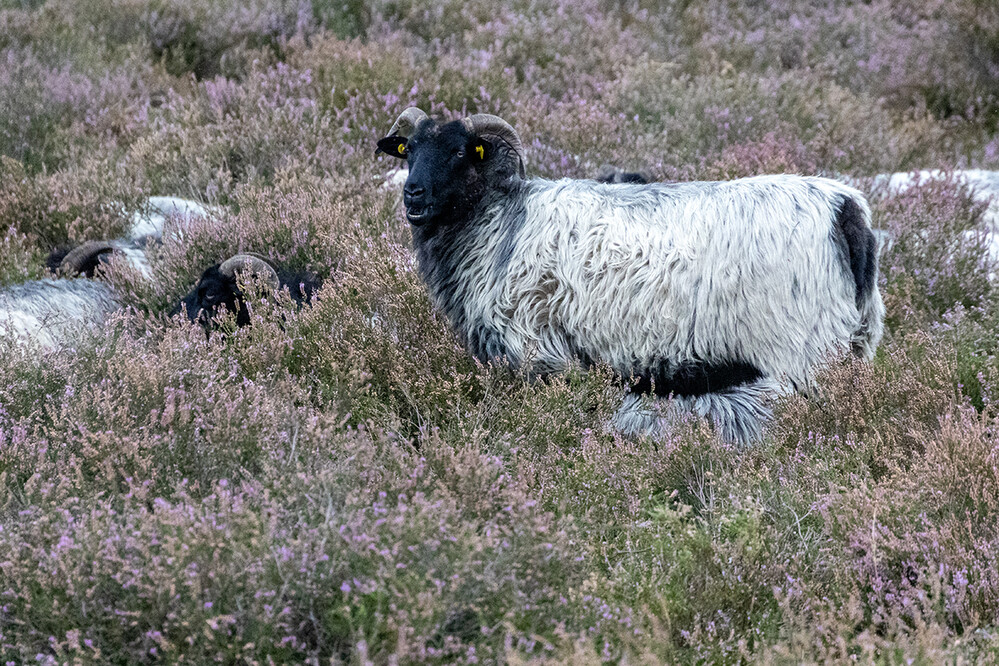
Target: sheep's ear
[(482, 149), (394, 146)]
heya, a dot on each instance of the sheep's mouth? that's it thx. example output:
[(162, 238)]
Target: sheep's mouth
[(418, 215)]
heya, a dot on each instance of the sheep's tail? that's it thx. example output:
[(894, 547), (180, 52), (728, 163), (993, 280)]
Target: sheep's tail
[(863, 247)]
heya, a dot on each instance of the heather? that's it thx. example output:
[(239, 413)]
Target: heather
[(344, 483)]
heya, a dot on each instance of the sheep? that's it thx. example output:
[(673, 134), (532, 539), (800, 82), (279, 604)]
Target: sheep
[(149, 222), (716, 293), (53, 313), (218, 288), (612, 174), (146, 229), (982, 185), (84, 259)]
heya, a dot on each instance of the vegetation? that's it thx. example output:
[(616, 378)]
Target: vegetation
[(344, 483)]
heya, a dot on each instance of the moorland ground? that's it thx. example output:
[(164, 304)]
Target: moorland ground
[(344, 482)]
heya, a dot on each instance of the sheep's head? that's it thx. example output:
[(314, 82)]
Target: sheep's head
[(218, 288), (83, 259), (451, 164)]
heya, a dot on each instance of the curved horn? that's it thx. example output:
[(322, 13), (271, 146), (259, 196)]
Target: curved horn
[(75, 260), (498, 130), (407, 122), (256, 266)]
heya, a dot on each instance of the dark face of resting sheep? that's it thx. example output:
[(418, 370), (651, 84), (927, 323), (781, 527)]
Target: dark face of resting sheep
[(218, 289), (213, 293), (451, 165)]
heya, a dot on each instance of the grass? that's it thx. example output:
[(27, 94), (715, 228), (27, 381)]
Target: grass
[(344, 483)]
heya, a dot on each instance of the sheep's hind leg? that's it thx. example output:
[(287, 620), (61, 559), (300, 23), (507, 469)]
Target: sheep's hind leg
[(738, 414)]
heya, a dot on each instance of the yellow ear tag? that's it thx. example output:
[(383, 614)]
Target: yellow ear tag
[(402, 149), (481, 151)]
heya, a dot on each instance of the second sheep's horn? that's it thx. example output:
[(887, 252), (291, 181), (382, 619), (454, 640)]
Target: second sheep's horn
[(84, 258), (255, 265), (407, 122)]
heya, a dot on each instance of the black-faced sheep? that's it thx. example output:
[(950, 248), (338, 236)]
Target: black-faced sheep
[(54, 312), (218, 288), (84, 259), (146, 230), (710, 291)]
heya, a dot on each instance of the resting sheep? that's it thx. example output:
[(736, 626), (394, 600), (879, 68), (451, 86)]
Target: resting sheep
[(982, 186), (52, 313), (148, 223), (712, 292), (219, 288), (146, 229), (84, 259)]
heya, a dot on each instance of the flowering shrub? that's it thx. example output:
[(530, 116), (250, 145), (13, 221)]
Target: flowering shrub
[(17, 261), (939, 254), (342, 482)]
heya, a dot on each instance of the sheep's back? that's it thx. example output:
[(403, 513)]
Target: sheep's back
[(636, 275), (54, 312)]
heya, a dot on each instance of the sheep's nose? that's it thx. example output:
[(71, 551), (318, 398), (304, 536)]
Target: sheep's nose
[(413, 194)]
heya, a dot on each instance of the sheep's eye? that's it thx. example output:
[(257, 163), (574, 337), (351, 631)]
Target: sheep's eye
[(459, 153)]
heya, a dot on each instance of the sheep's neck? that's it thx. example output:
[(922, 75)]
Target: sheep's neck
[(464, 259)]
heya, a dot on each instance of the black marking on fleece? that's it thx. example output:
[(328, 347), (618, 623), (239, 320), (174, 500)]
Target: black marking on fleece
[(693, 378), (511, 222), (485, 342), (861, 245), (439, 251), (614, 175)]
